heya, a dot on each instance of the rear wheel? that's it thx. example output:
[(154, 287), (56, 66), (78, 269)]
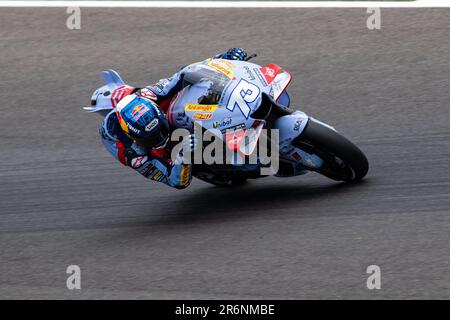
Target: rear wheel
[(342, 160)]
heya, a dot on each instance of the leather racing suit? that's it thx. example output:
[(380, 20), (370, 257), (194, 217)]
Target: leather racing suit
[(153, 164)]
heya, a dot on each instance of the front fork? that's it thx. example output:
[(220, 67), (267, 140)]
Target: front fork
[(290, 127)]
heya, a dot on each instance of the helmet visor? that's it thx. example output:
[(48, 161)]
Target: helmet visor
[(157, 139)]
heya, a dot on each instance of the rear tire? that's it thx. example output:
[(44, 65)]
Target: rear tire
[(343, 161)]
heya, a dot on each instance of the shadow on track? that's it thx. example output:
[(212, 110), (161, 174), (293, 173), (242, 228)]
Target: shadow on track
[(214, 204)]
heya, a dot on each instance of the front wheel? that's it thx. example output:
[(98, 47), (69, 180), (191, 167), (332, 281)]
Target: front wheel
[(342, 160)]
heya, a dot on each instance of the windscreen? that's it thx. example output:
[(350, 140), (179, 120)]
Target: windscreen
[(209, 84)]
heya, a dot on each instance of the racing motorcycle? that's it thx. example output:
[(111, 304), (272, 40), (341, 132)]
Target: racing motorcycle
[(237, 97)]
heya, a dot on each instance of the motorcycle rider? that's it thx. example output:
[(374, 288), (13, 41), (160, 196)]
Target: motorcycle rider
[(137, 132)]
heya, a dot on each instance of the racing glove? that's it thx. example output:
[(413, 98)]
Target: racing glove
[(130, 155), (235, 54)]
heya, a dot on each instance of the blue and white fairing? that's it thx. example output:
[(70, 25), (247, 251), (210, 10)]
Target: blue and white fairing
[(102, 98), (223, 95), (232, 90)]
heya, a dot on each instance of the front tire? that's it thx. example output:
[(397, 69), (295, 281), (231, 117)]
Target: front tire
[(343, 161)]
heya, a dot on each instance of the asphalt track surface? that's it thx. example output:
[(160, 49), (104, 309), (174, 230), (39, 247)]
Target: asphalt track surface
[(64, 201)]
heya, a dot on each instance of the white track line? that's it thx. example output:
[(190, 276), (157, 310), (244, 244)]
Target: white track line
[(229, 4)]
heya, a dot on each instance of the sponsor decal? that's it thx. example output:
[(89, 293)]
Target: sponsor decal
[(138, 162), (152, 125), (159, 86), (280, 83), (228, 63), (224, 123), (260, 77), (270, 72), (147, 93), (138, 111), (201, 107), (157, 176), (221, 68), (182, 119), (184, 176), (237, 127), (149, 170), (233, 138), (297, 125), (277, 85), (202, 116), (133, 129)]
